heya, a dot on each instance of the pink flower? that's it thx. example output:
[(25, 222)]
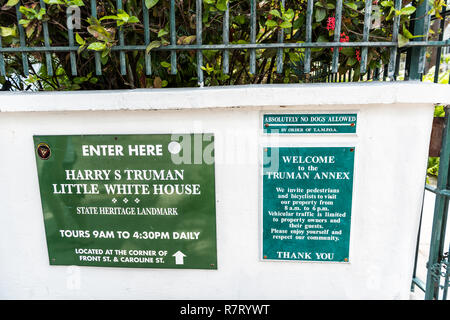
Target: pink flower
[(358, 55), (344, 38), (331, 23)]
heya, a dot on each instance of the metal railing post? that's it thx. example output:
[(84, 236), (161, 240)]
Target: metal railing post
[(440, 213), (421, 26)]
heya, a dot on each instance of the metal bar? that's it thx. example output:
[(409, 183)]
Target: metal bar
[(48, 56), (443, 192), (309, 12), (235, 46), (72, 55), (414, 276), (226, 39), (419, 283), (22, 41), (98, 66), (397, 66), (440, 212), (252, 35), (280, 50), (147, 56), (198, 32), (447, 276), (420, 29), (123, 67), (173, 39), (446, 281), (439, 49), (2, 61), (443, 13), (337, 35), (367, 22), (393, 51)]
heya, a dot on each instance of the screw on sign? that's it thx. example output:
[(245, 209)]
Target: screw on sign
[(43, 151)]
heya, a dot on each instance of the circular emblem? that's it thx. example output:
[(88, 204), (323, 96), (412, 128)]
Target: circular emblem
[(174, 147), (43, 151)]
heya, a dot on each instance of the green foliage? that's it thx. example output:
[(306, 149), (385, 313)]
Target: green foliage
[(101, 35), (433, 166), (439, 111)]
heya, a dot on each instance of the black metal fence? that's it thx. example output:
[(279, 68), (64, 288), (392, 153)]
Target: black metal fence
[(414, 50)]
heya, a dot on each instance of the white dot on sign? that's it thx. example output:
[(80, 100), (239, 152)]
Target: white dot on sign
[(174, 147)]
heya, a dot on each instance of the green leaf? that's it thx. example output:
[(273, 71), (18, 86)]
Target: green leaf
[(322, 38), (189, 40), (50, 2), (240, 19), (387, 3), (133, 19), (285, 25), (11, 3), (109, 18), (99, 32), (122, 14), (97, 46), (351, 61), (162, 33), (165, 64), (24, 22), (81, 48), (352, 5), (406, 33), (40, 14), (150, 3), (271, 23), (78, 3), (275, 13), (79, 39), (6, 32), (402, 40), (320, 14), (105, 53), (29, 30), (28, 12), (348, 51), (222, 5), (152, 45), (407, 11), (288, 15)]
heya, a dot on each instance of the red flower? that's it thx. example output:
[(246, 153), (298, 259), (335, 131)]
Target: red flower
[(344, 38), (358, 55), (331, 21)]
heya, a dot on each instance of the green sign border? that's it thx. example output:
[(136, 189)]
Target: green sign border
[(345, 259), (64, 154), (305, 127)]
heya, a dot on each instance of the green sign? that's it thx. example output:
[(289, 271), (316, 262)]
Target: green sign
[(308, 123), (307, 201), (144, 201)]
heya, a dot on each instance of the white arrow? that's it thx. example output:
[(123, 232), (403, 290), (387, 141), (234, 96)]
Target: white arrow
[(179, 257)]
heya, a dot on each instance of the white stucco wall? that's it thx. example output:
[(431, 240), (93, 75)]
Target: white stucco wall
[(390, 162)]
